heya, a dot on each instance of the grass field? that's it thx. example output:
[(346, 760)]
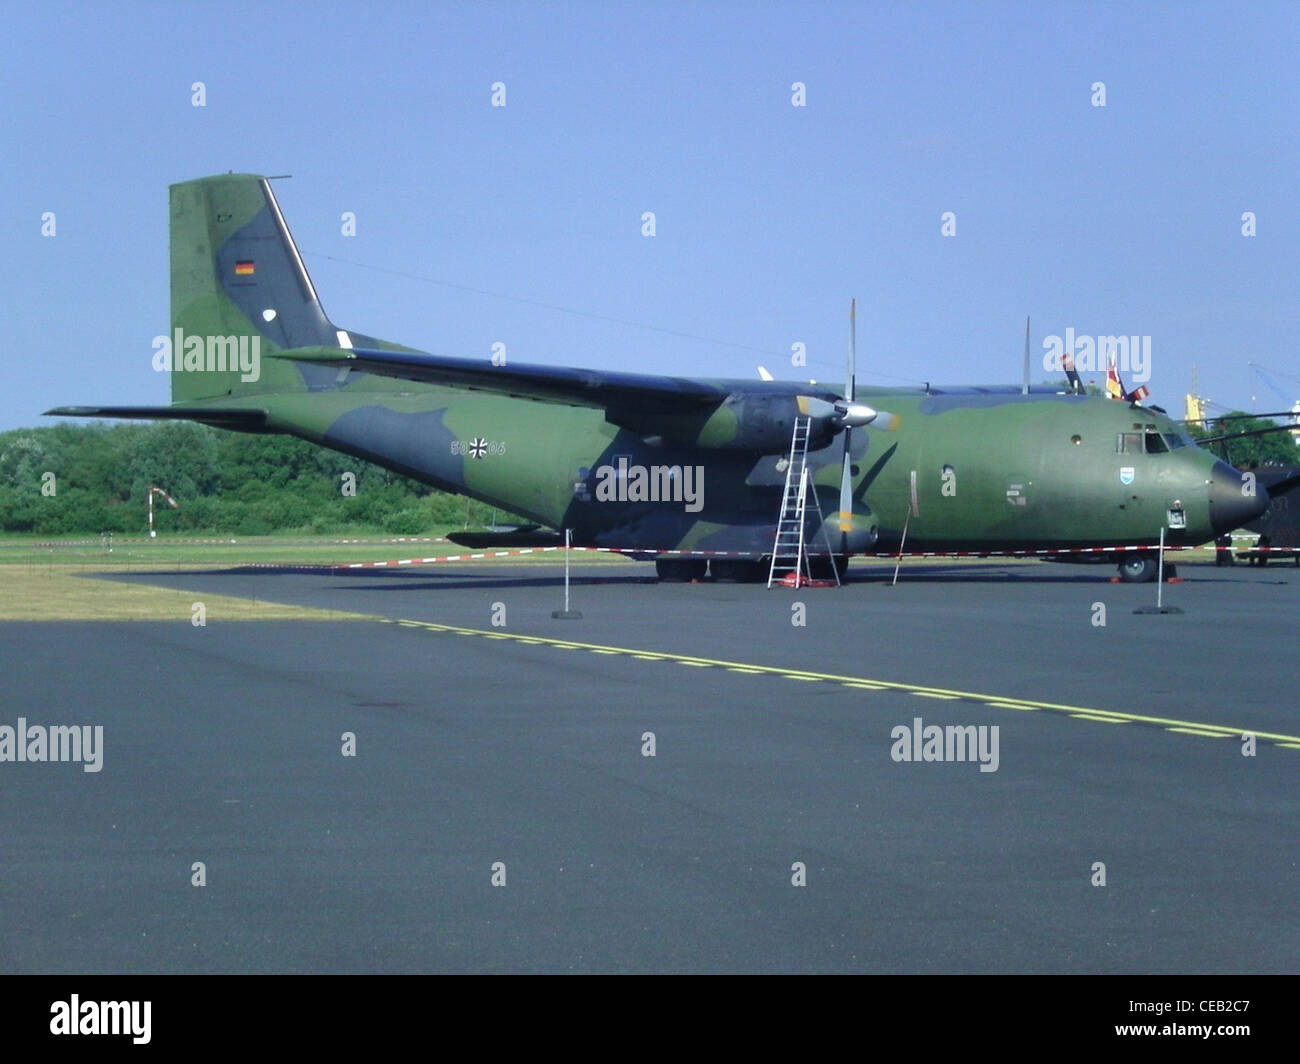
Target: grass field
[(168, 552), (53, 579), (71, 593)]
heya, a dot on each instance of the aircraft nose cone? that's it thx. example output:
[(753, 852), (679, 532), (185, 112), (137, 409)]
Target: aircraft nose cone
[(1235, 498)]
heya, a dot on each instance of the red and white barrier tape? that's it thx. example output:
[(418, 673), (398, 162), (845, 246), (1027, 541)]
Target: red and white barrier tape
[(486, 555)]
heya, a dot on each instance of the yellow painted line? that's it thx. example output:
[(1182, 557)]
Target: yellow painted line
[(1168, 723), (751, 672), (865, 686), (1198, 731), (1289, 746), (933, 694), (1099, 717)]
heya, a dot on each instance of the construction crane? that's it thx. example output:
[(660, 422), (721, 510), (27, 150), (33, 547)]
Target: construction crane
[(1264, 374)]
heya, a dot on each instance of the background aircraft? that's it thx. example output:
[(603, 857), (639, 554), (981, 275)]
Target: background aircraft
[(972, 469)]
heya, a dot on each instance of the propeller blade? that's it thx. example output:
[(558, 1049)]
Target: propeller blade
[(1235, 417), (1243, 435), (1024, 380), (846, 412), (811, 406), (846, 490), (851, 382), (850, 388)]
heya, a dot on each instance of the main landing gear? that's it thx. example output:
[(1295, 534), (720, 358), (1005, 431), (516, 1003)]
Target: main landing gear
[(681, 570), (1143, 570)]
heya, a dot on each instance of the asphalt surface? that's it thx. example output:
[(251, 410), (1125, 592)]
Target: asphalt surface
[(479, 744)]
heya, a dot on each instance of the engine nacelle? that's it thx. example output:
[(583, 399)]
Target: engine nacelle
[(761, 424), (857, 535)]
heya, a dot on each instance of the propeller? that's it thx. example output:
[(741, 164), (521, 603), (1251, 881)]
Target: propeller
[(845, 413), (851, 408)]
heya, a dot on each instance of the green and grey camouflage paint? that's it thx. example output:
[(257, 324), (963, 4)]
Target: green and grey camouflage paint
[(967, 470)]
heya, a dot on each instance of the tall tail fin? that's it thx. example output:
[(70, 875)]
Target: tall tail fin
[(239, 290)]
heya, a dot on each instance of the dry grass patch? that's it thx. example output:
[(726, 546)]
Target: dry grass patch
[(65, 593)]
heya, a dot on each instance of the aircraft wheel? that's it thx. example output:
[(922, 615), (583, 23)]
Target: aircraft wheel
[(1138, 570), (680, 570), (736, 570)]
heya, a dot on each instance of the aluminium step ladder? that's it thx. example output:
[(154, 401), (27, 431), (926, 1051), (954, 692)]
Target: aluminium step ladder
[(790, 548)]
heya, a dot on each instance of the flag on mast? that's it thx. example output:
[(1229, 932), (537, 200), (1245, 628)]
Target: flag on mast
[(1115, 387)]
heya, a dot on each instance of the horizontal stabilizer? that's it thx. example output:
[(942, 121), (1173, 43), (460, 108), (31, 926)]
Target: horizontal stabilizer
[(1242, 435), (228, 418), (1283, 486), (529, 536)]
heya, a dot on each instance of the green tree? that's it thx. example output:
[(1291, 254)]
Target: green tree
[(1251, 452)]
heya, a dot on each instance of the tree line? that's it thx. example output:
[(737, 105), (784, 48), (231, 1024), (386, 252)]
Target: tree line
[(95, 478)]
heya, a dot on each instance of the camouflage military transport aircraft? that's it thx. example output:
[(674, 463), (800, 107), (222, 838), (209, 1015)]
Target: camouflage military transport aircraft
[(652, 463)]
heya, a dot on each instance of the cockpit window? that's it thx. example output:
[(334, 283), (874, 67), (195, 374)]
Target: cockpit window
[(1129, 443), (1156, 444), (1174, 440)]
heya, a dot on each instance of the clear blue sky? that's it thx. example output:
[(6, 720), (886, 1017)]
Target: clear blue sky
[(1115, 220)]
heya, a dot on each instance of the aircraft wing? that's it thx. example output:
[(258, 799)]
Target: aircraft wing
[(555, 384)]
